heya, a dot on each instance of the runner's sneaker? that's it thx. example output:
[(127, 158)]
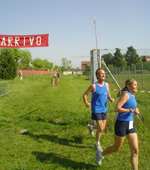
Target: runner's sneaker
[(98, 147), (90, 130), (99, 157)]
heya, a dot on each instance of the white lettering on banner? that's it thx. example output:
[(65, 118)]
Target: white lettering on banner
[(38, 40), (16, 41), (9, 41), (3, 41), (31, 40), (24, 41)]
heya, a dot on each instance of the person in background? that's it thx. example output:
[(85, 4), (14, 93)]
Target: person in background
[(100, 94), (54, 75), (58, 76), (124, 126), (20, 75)]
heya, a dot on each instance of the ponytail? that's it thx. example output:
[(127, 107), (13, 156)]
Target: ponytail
[(120, 91), (128, 82)]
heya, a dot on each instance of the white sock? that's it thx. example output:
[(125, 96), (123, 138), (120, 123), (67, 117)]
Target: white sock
[(91, 127), (97, 143)]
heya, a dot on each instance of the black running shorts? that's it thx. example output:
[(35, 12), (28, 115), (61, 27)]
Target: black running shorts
[(123, 128), (99, 116)]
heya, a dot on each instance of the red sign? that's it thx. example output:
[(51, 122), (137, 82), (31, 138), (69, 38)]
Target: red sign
[(24, 41)]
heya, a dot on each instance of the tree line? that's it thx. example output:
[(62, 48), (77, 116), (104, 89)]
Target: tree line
[(119, 60), (12, 59)]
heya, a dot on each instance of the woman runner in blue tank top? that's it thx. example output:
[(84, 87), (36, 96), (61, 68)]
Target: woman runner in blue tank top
[(124, 126)]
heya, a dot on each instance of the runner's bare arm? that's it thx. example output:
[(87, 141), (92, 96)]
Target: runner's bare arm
[(91, 89), (109, 95)]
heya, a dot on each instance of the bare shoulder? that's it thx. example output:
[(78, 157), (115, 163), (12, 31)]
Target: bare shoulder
[(90, 89), (93, 87), (107, 85), (125, 96)]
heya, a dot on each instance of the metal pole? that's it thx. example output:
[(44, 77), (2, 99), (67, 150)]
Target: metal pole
[(134, 71), (99, 58), (93, 56), (95, 33), (94, 67), (119, 75), (111, 74), (142, 77), (139, 119), (98, 50)]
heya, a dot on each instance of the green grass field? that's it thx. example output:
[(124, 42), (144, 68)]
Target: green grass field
[(56, 120)]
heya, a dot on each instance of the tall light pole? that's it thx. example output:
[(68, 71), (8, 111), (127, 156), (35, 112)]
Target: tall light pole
[(98, 50), (95, 33)]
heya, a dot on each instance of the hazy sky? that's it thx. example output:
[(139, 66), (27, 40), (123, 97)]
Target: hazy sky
[(69, 23)]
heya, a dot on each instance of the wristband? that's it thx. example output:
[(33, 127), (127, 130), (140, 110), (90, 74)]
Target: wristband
[(109, 98), (131, 110)]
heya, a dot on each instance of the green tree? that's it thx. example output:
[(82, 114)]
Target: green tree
[(8, 63), (60, 68), (47, 64), (118, 59), (88, 67), (16, 53), (66, 64), (25, 60), (132, 57), (108, 58), (56, 68), (144, 59), (37, 64)]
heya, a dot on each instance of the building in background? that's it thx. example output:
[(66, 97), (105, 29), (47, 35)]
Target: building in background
[(84, 64)]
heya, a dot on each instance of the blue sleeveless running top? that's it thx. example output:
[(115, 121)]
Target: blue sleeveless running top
[(130, 104), (99, 99)]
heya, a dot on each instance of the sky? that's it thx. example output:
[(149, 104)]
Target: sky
[(71, 29)]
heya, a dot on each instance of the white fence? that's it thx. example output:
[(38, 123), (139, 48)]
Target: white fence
[(4, 88), (72, 72)]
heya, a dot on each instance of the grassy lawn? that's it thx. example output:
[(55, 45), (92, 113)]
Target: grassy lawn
[(56, 120)]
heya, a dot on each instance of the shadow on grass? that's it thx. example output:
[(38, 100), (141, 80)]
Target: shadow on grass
[(52, 158), (56, 139), (64, 122), (27, 114), (53, 122)]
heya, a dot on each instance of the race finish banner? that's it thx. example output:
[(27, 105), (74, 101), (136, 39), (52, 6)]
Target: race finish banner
[(24, 41)]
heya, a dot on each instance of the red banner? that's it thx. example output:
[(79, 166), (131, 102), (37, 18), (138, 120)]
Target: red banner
[(24, 41)]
